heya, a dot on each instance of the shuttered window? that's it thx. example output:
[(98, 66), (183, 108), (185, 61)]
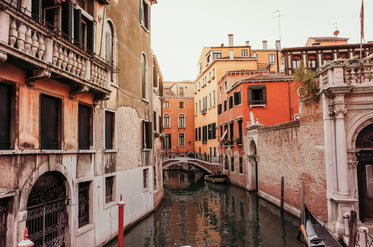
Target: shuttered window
[(5, 116), (147, 134), (256, 95), (109, 130), (237, 98), (50, 122), (84, 127), (230, 102)]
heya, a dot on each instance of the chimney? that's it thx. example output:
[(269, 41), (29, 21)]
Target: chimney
[(265, 45), (231, 54), (278, 44), (230, 40), (247, 43)]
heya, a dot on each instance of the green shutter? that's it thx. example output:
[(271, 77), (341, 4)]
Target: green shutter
[(249, 96), (90, 36)]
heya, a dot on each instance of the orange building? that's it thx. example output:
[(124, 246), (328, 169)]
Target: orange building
[(178, 117), (262, 99), (213, 63)]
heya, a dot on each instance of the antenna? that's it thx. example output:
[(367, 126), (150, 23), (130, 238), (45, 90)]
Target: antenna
[(279, 23)]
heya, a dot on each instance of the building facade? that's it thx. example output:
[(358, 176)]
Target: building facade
[(78, 119), (178, 118), (260, 99), (213, 63)]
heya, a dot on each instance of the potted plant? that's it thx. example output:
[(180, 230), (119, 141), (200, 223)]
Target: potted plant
[(156, 134), (237, 140)]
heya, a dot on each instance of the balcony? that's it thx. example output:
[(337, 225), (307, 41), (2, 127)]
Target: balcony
[(46, 54)]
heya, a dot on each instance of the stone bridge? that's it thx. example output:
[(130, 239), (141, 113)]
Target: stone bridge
[(210, 168)]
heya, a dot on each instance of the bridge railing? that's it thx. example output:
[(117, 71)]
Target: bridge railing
[(168, 154)]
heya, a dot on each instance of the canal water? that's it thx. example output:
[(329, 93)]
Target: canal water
[(198, 213)]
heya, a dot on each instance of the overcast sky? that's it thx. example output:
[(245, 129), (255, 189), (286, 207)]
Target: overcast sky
[(181, 28)]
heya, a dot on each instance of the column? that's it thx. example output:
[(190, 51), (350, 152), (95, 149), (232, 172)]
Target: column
[(341, 151)]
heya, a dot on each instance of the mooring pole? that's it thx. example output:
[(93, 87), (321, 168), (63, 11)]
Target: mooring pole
[(120, 221), (282, 194), (25, 242)]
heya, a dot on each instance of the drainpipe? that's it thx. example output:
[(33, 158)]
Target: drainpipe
[(290, 108)]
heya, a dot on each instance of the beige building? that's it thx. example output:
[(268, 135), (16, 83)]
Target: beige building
[(77, 99)]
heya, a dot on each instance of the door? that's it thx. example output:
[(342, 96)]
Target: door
[(365, 178), (46, 211)]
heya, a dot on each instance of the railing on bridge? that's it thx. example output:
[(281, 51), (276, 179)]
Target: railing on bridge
[(168, 154)]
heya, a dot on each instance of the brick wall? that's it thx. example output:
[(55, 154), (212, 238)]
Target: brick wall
[(295, 150)]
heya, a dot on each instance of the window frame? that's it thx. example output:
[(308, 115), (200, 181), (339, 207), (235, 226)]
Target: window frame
[(256, 102), (166, 120), (87, 127), (46, 116), (108, 132), (109, 182), (181, 140), (181, 120)]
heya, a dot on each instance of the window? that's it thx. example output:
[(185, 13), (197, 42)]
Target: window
[(199, 85), (212, 131), (225, 105), (327, 57), (244, 52), (199, 134), (50, 122), (167, 142), (213, 73), (199, 102), (219, 109), (181, 91), (144, 79), (109, 130), (240, 164), (84, 126), (225, 86), (166, 121), (232, 164), (160, 123), (209, 136), (239, 122), (66, 18), (147, 134), (5, 116), (144, 14), (226, 164), (216, 54), (181, 121), (83, 204), (256, 95), (220, 90), (109, 189), (204, 109), (272, 58), (213, 98), (312, 61), (296, 61), (231, 130), (196, 112), (145, 176), (204, 134), (237, 98), (108, 43), (181, 105), (181, 140), (196, 134), (230, 102), (166, 104), (210, 100)]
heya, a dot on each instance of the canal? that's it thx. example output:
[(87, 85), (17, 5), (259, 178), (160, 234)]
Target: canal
[(198, 213)]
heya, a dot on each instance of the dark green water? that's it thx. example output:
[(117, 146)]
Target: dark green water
[(197, 213)]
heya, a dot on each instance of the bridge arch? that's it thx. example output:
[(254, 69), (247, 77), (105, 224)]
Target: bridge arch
[(190, 163)]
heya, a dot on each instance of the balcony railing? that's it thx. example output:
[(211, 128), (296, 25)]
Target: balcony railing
[(24, 38), (347, 73)]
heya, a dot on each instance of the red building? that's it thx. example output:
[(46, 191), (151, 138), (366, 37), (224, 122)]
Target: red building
[(178, 117), (264, 99)]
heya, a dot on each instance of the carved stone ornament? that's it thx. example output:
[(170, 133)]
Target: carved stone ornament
[(39, 74), (3, 57)]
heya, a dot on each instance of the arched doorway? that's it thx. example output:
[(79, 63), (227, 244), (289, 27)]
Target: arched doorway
[(252, 162), (46, 210), (364, 143)]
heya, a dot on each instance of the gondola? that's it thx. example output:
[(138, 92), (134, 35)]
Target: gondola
[(313, 234)]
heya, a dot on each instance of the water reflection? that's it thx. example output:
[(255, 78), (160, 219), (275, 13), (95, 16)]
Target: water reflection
[(198, 213)]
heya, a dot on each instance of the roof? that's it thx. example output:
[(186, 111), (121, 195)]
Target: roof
[(328, 38), (270, 77)]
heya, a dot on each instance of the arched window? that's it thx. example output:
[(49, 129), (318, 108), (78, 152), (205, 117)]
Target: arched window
[(181, 120), (166, 120), (108, 43), (144, 82)]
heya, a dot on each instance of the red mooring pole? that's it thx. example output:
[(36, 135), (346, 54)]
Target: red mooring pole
[(120, 221), (25, 242)]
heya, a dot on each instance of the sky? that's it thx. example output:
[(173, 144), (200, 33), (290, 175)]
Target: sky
[(181, 28)]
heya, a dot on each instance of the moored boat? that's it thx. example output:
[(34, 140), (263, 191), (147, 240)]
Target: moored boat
[(217, 178), (314, 234)]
